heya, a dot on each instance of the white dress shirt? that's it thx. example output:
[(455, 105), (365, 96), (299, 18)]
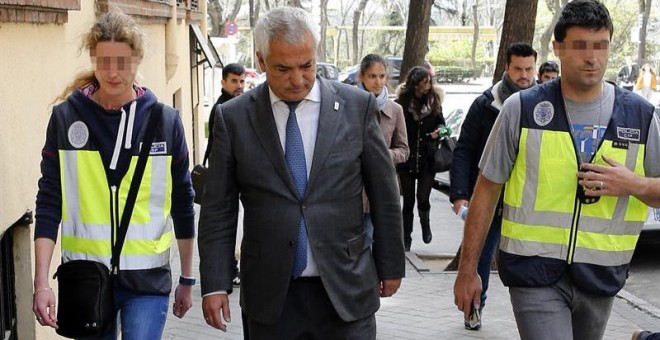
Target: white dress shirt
[(307, 116)]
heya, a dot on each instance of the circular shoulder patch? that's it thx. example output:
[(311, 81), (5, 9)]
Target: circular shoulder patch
[(78, 134), (543, 113)]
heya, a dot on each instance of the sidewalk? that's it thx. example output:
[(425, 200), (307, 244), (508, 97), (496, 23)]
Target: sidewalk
[(424, 306)]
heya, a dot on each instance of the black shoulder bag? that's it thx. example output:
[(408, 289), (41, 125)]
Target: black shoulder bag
[(198, 177), (85, 296)]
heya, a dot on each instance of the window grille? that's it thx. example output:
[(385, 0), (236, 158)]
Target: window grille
[(7, 287)]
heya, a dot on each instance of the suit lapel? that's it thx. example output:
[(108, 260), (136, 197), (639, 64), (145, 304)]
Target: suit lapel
[(329, 120), (263, 122)]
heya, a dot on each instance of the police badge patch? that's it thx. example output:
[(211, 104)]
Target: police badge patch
[(78, 134), (543, 113)]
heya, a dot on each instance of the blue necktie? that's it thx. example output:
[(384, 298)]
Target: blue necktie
[(294, 153)]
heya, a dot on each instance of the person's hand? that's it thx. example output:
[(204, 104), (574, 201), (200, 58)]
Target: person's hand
[(182, 300), (612, 180), (434, 134), (458, 204), (389, 286), (467, 292), (214, 307), (43, 306)]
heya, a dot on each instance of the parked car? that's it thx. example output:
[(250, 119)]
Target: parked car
[(652, 220), (327, 70), (394, 70), (350, 75)]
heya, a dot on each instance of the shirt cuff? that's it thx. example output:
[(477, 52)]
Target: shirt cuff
[(217, 292)]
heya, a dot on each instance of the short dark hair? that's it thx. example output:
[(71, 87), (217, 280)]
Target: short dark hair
[(520, 49), (548, 66), (232, 68), (583, 13)]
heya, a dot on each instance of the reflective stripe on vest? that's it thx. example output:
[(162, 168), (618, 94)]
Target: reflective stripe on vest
[(541, 217), (86, 211)]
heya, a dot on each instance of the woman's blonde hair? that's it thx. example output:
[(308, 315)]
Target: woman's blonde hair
[(115, 26)]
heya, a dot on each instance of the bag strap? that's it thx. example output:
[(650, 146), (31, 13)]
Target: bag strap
[(206, 157), (150, 133)]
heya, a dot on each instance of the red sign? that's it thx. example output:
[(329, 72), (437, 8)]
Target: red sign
[(231, 28)]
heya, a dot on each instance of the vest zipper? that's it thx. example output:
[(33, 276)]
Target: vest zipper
[(572, 240), (114, 219)]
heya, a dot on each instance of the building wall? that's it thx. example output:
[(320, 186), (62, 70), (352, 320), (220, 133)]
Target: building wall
[(37, 60)]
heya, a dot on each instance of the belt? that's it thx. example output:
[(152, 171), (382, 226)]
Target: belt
[(310, 279)]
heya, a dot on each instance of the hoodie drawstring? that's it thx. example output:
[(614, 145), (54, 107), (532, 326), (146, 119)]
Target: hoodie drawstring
[(131, 121), (118, 142)]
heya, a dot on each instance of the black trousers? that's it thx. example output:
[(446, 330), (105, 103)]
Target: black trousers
[(424, 185), (309, 315)]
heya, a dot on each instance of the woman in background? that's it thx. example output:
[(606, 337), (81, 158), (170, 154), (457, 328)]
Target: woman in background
[(373, 78), (422, 107)]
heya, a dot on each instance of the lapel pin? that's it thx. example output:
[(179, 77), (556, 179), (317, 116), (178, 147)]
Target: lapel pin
[(336, 106)]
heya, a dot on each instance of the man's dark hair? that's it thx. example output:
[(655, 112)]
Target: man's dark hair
[(232, 68), (519, 49), (583, 13), (548, 66)]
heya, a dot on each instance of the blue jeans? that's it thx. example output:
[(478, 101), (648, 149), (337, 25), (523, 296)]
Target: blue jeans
[(141, 316), (487, 254)]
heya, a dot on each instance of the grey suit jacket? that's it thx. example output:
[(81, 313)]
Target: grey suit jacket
[(248, 162)]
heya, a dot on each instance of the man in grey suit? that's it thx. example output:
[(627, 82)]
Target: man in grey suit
[(298, 151)]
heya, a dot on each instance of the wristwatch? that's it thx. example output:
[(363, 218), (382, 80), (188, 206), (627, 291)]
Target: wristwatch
[(187, 281)]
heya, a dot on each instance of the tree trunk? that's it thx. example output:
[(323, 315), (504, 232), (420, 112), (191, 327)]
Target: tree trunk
[(417, 36), (555, 7), (321, 50), (356, 22), (215, 12), (645, 12), (515, 30), (475, 36)]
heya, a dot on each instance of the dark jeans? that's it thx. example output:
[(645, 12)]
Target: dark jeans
[(424, 184), (487, 254)]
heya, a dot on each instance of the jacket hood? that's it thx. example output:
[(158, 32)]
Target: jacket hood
[(114, 131)]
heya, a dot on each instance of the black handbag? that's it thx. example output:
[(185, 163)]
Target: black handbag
[(443, 155), (85, 293), (198, 177)]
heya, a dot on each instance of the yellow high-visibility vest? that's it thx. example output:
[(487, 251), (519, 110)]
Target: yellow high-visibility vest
[(546, 230), (91, 211)]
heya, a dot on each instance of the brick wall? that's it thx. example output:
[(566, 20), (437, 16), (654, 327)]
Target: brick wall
[(56, 11), (37, 11)]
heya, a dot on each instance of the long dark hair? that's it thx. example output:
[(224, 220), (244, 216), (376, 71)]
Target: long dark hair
[(407, 96)]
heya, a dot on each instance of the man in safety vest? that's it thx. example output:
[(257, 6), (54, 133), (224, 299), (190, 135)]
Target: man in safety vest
[(564, 252)]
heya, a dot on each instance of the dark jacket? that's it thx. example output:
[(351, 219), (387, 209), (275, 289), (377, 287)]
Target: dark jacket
[(422, 146), (225, 96), (474, 133)]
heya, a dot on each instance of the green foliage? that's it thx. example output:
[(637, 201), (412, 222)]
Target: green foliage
[(452, 51)]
